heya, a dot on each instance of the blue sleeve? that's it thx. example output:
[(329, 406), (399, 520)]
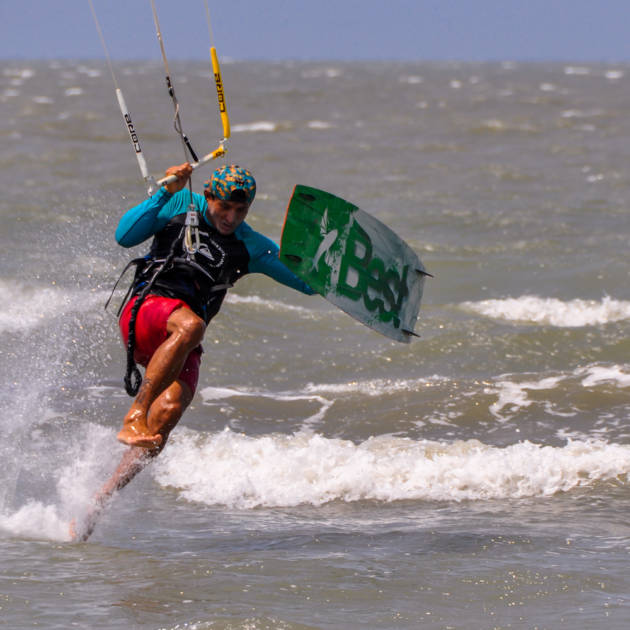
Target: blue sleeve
[(149, 217), (263, 253)]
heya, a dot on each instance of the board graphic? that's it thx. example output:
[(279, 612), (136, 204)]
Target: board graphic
[(356, 262)]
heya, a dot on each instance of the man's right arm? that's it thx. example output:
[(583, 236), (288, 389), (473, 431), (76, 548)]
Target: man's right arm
[(144, 220), (149, 217)]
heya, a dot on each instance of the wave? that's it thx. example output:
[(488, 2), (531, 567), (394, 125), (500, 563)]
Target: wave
[(87, 459), (268, 126), (261, 125), (24, 308), (319, 124), (36, 520), (512, 391), (495, 125), (377, 387), (371, 387), (318, 73), (599, 374), (411, 79), (237, 470), (551, 311), (577, 70), (326, 394), (614, 75), (509, 394)]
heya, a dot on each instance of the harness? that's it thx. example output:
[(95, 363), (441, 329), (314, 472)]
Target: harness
[(187, 250)]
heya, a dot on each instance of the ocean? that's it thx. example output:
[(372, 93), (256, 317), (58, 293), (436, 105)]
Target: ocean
[(326, 477)]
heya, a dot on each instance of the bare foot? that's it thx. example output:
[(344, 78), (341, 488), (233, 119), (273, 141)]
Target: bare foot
[(132, 436), (135, 431)]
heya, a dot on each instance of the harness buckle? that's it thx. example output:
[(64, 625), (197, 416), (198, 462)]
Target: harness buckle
[(192, 219)]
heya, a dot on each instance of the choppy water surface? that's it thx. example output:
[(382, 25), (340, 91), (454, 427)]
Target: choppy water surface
[(326, 477)]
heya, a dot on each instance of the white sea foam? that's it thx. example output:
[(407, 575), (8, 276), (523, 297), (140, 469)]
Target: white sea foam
[(496, 125), (307, 468), (312, 391), (210, 394), (551, 311), (21, 73), (578, 113), (316, 73), (23, 308), (325, 395), (514, 394), (261, 125), (88, 457), (36, 520), (319, 124), (376, 387), (594, 375), (597, 177), (513, 391), (90, 72), (614, 75), (577, 70), (213, 394), (411, 79)]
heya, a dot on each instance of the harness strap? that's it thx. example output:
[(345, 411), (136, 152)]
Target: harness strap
[(133, 378), (135, 261)]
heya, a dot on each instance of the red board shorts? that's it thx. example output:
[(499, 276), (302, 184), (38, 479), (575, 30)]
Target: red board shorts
[(151, 333)]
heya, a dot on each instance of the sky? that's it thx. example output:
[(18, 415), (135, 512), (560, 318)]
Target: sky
[(463, 30)]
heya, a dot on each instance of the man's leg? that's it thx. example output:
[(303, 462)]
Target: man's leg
[(185, 332), (164, 414)]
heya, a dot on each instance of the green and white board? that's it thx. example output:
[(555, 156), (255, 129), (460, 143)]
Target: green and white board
[(354, 261)]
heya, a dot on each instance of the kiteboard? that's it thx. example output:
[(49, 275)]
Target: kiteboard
[(353, 260)]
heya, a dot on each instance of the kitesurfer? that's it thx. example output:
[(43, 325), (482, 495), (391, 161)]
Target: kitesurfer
[(178, 288)]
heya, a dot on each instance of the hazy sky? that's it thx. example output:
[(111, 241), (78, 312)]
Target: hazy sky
[(469, 30)]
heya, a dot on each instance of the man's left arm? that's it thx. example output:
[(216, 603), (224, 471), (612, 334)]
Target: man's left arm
[(264, 258)]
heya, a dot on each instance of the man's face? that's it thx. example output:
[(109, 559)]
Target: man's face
[(226, 216)]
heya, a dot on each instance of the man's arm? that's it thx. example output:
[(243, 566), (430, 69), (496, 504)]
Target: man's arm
[(263, 254), (144, 220)]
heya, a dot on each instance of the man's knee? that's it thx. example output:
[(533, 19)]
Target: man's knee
[(189, 327)]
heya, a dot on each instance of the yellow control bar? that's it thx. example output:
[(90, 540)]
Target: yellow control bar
[(225, 120)]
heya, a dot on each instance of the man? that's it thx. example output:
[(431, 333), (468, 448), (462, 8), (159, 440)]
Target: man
[(178, 289)]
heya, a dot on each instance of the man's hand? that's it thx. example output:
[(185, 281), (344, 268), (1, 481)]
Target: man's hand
[(183, 172)]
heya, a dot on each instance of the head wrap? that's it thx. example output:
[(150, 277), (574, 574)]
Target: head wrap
[(228, 179)]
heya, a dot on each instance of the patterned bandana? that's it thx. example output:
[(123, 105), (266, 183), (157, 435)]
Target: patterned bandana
[(227, 179)]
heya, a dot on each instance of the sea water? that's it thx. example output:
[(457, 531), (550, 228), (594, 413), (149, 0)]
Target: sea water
[(326, 477)]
